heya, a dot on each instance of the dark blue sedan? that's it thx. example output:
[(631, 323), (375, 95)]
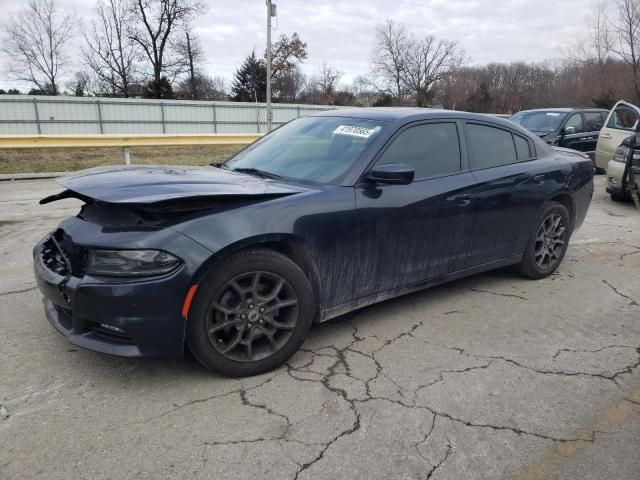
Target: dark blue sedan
[(325, 215)]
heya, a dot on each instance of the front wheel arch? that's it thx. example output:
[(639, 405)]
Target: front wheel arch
[(288, 245)]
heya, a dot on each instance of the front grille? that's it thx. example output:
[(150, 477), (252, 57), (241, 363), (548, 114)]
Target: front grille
[(54, 259), (64, 257)]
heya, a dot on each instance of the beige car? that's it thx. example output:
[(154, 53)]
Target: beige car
[(620, 124), (611, 156)]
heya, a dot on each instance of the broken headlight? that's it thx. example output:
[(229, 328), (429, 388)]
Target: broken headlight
[(131, 263)]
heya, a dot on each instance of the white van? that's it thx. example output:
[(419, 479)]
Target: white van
[(620, 123)]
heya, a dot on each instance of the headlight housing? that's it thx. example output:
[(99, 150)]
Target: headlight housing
[(622, 152), (131, 263)]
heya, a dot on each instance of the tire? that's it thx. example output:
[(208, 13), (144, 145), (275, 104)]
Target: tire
[(257, 297), (616, 197), (548, 243)]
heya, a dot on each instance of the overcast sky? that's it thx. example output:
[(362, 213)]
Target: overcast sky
[(341, 32)]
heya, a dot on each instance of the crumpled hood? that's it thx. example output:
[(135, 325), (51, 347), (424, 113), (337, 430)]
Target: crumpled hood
[(152, 184)]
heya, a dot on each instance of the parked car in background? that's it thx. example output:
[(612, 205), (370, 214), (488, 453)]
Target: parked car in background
[(574, 128), (326, 214), (621, 123)]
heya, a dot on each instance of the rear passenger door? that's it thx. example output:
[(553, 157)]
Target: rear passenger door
[(411, 233), (509, 192)]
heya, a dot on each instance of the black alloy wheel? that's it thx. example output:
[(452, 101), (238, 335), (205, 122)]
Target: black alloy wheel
[(251, 312), (252, 316), (549, 241)]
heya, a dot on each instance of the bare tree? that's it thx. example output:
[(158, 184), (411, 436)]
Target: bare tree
[(389, 60), (191, 51), (109, 52), (628, 30), (155, 24), (326, 83), (430, 60), (408, 66), (37, 37)]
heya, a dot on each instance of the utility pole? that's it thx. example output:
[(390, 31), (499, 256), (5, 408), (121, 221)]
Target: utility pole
[(271, 12)]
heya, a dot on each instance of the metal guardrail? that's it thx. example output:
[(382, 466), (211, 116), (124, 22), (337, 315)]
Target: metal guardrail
[(106, 140), (124, 141)]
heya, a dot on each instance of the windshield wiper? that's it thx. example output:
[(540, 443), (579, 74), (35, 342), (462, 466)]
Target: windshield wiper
[(257, 172)]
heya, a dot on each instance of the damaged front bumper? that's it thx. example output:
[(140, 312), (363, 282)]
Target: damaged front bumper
[(125, 317)]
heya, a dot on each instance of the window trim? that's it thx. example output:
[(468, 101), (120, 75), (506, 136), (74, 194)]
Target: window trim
[(464, 157), (613, 112), (570, 116), (532, 150)]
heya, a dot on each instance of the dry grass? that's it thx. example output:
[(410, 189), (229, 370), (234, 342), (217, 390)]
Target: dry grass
[(67, 160)]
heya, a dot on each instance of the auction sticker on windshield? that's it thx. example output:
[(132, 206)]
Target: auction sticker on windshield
[(353, 131)]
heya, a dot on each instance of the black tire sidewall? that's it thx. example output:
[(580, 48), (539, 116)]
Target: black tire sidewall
[(528, 267), (218, 275)]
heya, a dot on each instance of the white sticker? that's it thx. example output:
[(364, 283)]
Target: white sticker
[(552, 114), (361, 132)]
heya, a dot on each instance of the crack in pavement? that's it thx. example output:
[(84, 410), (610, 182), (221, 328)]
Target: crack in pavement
[(632, 302), (340, 366), (441, 462), (477, 290), (13, 292)]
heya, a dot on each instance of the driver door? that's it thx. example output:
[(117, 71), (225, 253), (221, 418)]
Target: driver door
[(411, 233)]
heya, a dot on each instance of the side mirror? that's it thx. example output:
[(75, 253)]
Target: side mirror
[(568, 130), (392, 173)]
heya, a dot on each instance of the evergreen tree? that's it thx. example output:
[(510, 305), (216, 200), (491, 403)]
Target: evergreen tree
[(250, 80), (161, 90)]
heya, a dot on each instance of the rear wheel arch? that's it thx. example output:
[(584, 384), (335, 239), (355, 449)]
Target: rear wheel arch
[(566, 200)]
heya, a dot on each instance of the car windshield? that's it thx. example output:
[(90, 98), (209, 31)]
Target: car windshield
[(539, 122), (315, 149)]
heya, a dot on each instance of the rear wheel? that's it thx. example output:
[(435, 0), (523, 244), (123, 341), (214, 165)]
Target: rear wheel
[(548, 244), (251, 313)]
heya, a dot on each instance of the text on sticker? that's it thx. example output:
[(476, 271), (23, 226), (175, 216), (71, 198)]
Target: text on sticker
[(354, 131)]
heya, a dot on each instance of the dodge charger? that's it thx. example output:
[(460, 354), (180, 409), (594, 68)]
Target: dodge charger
[(326, 214)]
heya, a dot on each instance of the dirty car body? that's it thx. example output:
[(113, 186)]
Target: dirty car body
[(358, 230)]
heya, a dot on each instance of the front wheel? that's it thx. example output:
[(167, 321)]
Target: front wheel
[(250, 314), (548, 244)]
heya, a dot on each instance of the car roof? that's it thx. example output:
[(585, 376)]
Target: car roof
[(394, 114), (564, 109)]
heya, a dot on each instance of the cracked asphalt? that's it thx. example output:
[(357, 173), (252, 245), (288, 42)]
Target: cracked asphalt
[(490, 377)]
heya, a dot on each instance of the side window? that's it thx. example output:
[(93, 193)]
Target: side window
[(489, 146), (592, 121), (432, 149), (623, 118), (522, 148), (575, 123)]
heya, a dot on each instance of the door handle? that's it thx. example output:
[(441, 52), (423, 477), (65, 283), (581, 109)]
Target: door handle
[(539, 179), (605, 135), (463, 199)]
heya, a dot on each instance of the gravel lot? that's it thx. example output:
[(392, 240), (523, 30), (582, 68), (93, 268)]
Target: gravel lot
[(491, 377)]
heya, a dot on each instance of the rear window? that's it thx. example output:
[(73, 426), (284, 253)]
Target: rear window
[(623, 118), (490, 147)]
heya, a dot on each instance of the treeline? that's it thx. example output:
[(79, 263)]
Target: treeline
[(148, 48)]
